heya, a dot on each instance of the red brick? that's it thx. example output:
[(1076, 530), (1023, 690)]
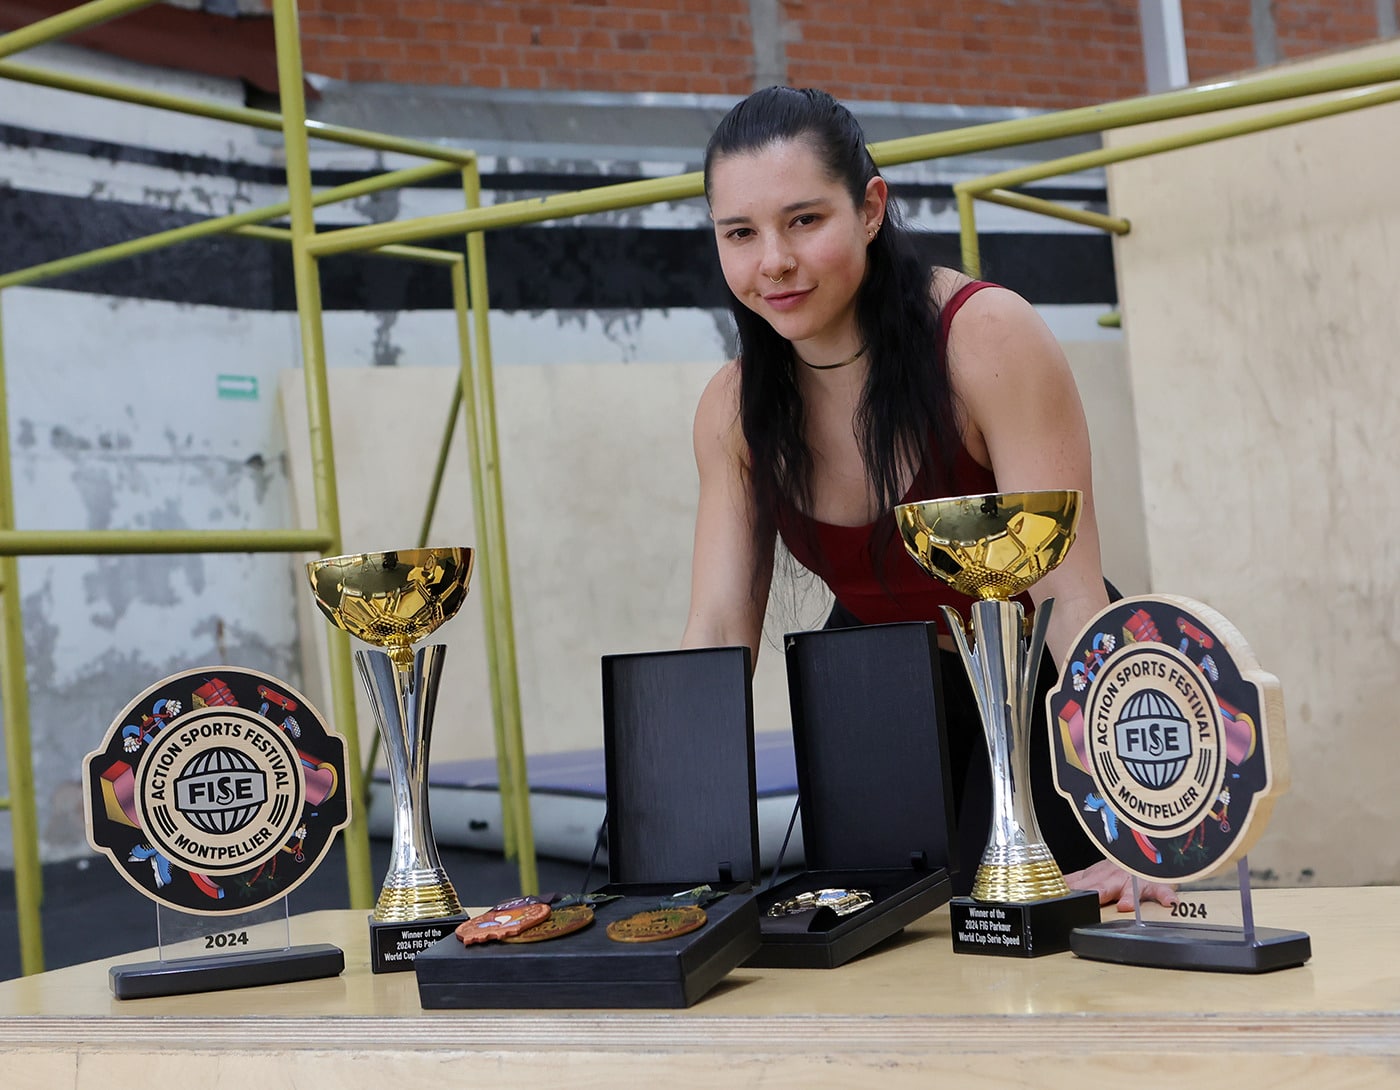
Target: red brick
[(1045, 53)]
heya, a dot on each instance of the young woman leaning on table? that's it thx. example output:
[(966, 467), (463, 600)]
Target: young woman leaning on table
[(863, 379)]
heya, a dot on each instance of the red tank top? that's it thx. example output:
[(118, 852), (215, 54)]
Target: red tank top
[(841, 557)]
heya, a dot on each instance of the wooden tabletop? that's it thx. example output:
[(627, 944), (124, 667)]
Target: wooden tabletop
[(909, 1010)]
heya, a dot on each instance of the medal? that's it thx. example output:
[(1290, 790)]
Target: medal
[(657, 924), (561, 922), (499, 925)]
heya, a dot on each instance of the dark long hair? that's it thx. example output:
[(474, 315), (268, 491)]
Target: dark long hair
[(906, 414)]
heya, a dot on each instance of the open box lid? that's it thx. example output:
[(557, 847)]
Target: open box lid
[(872, 755), (679, 758)]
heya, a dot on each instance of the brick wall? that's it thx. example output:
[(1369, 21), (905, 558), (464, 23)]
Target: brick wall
[(1043, 53)]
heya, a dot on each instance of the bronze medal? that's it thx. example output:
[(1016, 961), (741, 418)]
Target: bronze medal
[(561, 922), (499, 925), (659, 923)]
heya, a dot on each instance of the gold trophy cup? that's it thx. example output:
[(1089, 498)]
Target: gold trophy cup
[(393, 600), (992, 548)]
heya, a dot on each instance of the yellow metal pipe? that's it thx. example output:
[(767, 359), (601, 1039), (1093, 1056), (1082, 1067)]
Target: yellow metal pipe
[(967, 226), (483, 516), (306, 275), (890, 152), (1137, 111), (1072, 164), (966, 191), (67, 22), (1025, 202), (512, 213), (514, 748), (488, 562), (218, 225), (116, 542), (240, 115), (425, 254), (14, 705), (425, 528)]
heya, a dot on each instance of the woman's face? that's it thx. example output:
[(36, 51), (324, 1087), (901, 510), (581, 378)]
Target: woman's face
[(791, 243)]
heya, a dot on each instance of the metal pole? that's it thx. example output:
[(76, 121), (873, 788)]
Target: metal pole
[(66, 22), (487, 563), (14, 702), (239, 115), (313, 349), (496, 543)]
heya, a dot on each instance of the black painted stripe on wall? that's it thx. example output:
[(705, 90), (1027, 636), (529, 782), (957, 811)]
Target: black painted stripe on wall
[(530, 268)]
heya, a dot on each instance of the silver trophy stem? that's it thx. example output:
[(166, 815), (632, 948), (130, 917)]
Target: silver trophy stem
[(1002, 666), (403, 698)]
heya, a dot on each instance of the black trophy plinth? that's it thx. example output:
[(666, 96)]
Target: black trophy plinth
[(1020, 929), (393, 946), (875, 818), (678, 751), (1211, 947), (220, 972)]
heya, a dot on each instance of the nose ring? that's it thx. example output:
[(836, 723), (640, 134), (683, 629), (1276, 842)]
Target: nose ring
[(779, 279)]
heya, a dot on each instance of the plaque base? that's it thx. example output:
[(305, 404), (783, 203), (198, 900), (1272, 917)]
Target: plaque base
[(393, 946), (1209, 947), (220, 972), (1020, 929)]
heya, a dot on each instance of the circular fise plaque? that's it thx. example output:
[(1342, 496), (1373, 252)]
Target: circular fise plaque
[(1167, 738), (216, 791)]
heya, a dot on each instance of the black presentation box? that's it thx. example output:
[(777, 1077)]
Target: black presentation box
[(679, 759), (873, 786)]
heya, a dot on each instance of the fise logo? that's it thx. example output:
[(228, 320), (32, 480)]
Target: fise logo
[(220, 791), (1156, 739)]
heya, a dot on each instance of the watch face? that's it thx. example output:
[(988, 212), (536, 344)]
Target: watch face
[(216, 791), (657, 924)]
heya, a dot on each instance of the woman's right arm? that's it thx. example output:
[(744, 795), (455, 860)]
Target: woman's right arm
[(730, 573)]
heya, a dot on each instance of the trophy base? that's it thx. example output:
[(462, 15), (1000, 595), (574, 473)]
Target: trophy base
[(394, 944), (220, 972), (1208, 947), (1020, 929)]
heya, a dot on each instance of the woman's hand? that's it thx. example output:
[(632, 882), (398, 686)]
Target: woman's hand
[(1113, 883)]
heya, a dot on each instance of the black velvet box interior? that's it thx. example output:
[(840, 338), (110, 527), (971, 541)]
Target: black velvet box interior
[(678, 751), (873, 788)]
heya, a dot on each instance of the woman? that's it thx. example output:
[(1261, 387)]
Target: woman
[(853, 390)]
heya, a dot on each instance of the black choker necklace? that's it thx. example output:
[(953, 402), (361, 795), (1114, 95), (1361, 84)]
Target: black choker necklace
[(843, 363)]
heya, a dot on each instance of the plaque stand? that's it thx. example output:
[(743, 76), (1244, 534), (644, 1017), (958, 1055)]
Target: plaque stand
[(1214, 947), (203, 953)]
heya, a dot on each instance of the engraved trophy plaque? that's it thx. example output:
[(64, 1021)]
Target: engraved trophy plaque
[(1167, 739), (394, 600), (993, 547)]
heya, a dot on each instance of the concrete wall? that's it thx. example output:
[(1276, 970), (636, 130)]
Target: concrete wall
[(1259, 289)]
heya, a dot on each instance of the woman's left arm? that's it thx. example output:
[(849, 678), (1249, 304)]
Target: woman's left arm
[(1022, 418)]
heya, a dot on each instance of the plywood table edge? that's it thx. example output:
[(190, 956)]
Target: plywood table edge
[(1360, 1034)]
